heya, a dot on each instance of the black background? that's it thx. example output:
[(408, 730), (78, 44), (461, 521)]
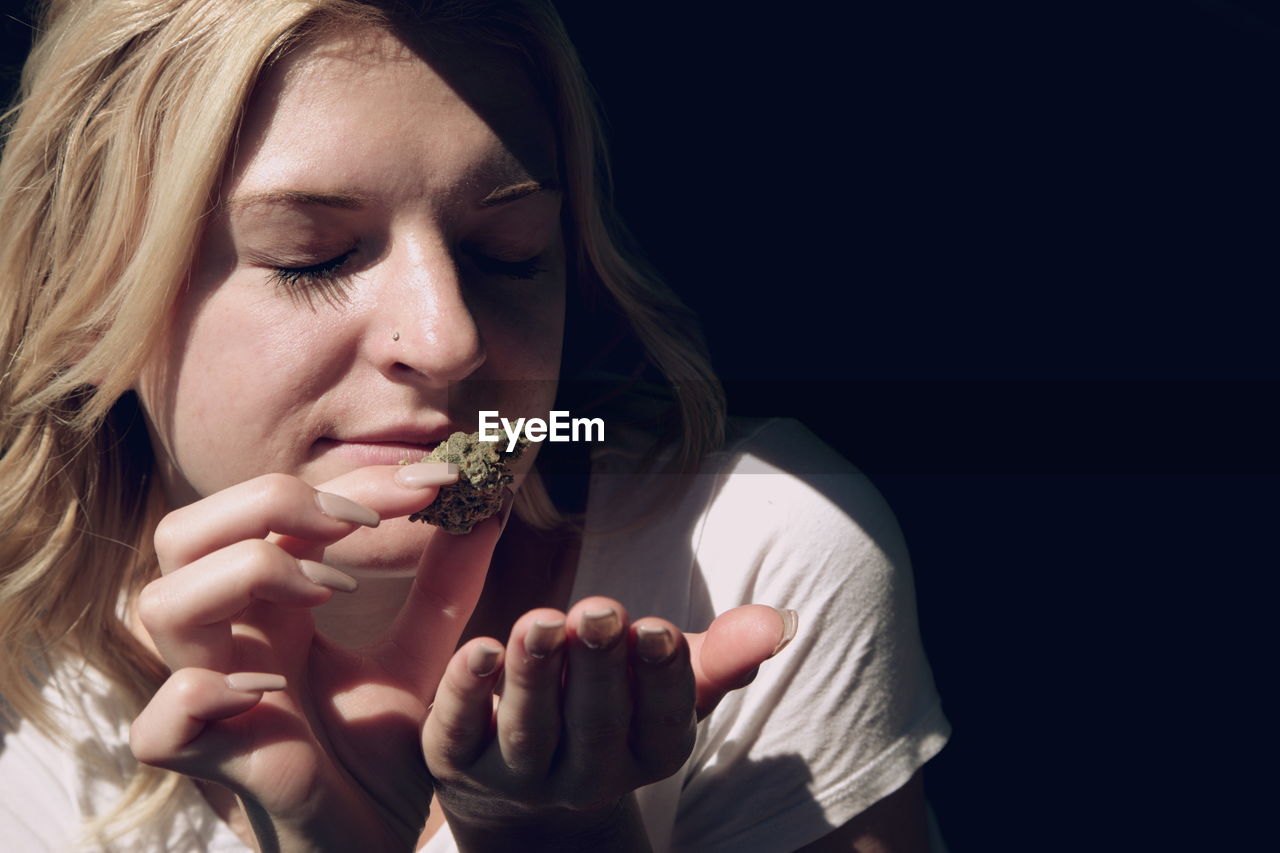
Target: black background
[(1015, 260)]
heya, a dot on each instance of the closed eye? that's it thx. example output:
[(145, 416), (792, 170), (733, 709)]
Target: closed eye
[(323, 271), (326, 280), (522, 270)]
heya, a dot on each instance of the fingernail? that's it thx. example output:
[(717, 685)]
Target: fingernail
[(336, 506), (323, 575), (654, 643), (482, 660), (420, 475), (544, 637), (254, 682), (790, 621), (600, 628)]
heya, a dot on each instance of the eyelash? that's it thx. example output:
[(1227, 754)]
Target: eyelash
[(328, 272), (519, 270), (323, 272)]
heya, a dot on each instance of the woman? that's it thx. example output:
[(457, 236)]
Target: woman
[(258, 254)]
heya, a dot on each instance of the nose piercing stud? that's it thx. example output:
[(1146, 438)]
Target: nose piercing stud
[(396, 336)]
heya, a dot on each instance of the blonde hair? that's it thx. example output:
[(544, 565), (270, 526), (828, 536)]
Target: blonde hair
[(125, 117)]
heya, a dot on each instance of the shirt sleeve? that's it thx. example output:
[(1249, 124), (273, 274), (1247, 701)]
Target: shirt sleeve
[(50, 786), (37, 810), (848, 711)]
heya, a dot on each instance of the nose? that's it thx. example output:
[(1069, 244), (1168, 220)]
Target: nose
[(423, 328)]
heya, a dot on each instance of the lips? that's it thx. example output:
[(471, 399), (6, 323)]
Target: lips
[(384, 446)]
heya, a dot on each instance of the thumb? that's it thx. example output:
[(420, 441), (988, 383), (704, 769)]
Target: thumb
[(728, 655), (445, 591), (393, 491)]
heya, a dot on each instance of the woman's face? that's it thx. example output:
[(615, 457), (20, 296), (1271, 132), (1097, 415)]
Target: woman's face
[(385, 261)]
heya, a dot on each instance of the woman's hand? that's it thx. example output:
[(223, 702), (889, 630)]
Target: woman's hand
[(591, 708), (320, 743)]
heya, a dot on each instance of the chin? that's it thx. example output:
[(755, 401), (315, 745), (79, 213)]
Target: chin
[(393, 548)]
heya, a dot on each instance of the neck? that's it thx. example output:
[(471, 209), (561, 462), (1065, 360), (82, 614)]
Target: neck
[(529, 569), (357, 619)]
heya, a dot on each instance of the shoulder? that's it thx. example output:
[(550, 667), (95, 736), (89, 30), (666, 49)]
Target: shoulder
[(847, 713), (793, 502), (774, 512), (783, 458)]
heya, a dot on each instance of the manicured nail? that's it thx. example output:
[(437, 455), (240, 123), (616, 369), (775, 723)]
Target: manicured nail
[(254, 682), (482, 660), (790, 621), (544, 637), (654, 643), (323, 575), (336, 506), (600, 628), (420, 475)]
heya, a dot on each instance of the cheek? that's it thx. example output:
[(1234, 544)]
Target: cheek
[(526, 361), (535, 339), (523, 328), (235, 378), (528, 326), (242, 355)]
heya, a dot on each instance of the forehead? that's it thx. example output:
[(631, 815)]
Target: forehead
[(365, 103)]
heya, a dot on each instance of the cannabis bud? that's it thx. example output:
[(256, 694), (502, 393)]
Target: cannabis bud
[(482, 475)]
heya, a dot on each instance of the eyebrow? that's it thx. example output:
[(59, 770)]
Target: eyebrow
[(298, 198), (515, 192), (349, 201)]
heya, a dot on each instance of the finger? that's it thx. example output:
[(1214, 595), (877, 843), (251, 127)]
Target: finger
[(663, 725), (188, 611), (285, 505), (273, 503), (597, 695), (529, 713), (728, 654), (393, 491), (460, 721), (166, 733), (450, 578)]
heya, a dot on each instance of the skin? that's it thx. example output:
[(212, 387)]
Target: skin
[(376, 261)]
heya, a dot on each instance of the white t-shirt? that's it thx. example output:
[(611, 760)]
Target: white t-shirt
[(840, 719)]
